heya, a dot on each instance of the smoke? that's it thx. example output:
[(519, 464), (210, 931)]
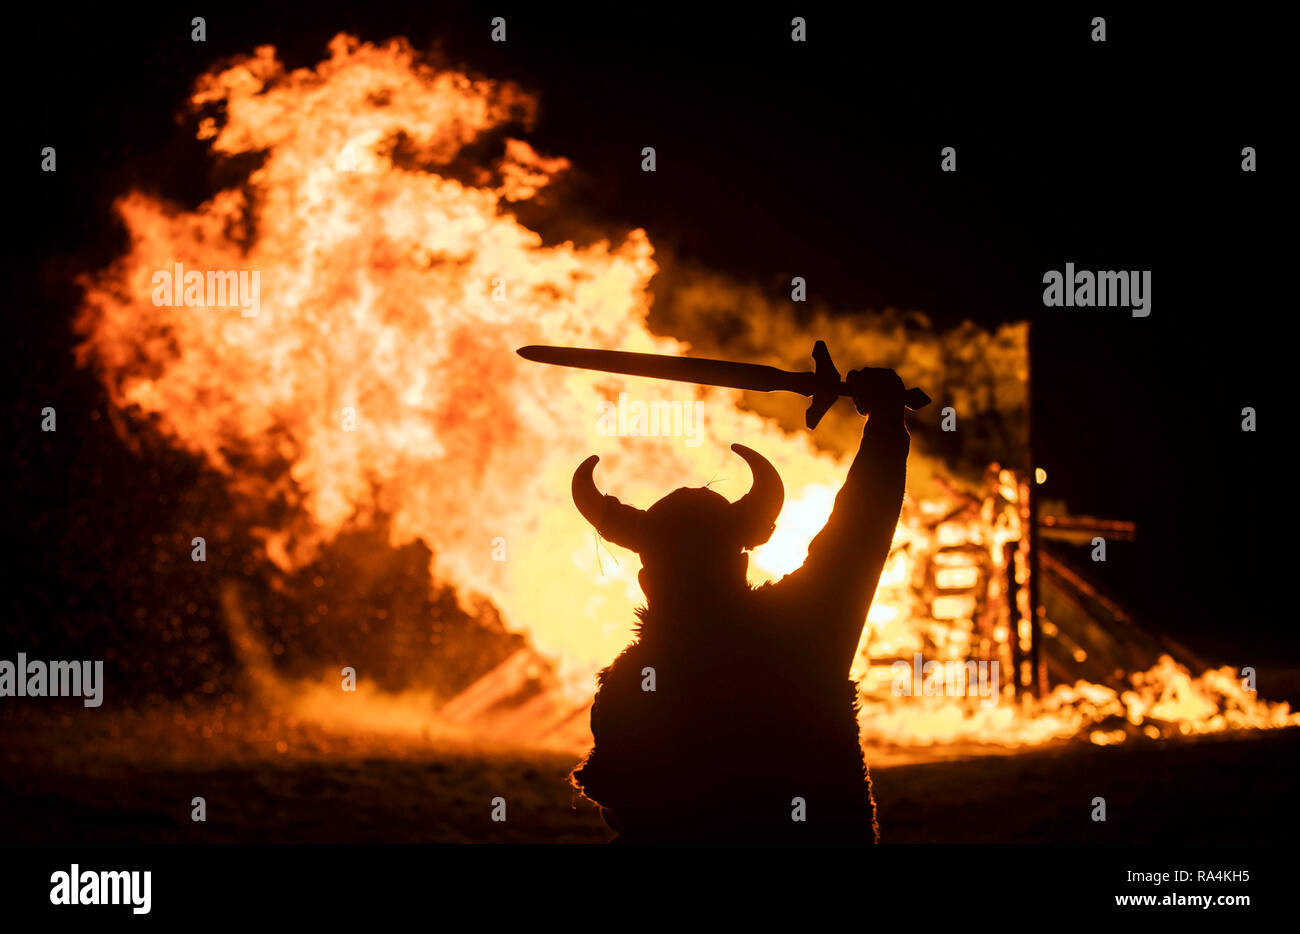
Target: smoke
[(981, 374)]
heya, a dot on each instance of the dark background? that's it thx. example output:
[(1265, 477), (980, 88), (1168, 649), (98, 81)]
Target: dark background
[(818, 159)]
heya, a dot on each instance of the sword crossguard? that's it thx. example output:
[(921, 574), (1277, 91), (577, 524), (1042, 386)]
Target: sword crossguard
[(828, 386), (827, 379)]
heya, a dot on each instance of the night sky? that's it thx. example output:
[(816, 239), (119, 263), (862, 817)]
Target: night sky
[(821, 159)]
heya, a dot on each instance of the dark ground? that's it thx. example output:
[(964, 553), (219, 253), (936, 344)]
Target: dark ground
[(1215, 789)]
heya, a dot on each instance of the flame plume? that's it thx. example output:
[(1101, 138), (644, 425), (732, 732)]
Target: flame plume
[(395, 284), (402, 293)]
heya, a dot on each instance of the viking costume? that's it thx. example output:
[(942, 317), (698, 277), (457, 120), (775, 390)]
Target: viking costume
[(732, 716)]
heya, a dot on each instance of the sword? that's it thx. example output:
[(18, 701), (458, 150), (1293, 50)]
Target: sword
[(823, 384)]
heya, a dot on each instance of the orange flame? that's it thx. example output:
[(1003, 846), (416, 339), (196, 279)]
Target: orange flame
[(378, 377), (401, 294)]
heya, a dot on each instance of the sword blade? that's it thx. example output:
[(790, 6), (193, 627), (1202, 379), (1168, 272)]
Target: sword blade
[(751, 376)]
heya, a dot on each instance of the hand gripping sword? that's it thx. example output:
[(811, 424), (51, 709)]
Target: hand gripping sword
[(823, 384)]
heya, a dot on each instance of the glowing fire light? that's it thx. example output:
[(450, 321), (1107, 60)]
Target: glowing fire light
[(379, 379)]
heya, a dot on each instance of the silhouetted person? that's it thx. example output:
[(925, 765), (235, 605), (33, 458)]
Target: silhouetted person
[(752, 705)]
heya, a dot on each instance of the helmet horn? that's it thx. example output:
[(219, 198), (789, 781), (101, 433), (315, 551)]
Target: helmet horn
[(755, 513), (615, 521)]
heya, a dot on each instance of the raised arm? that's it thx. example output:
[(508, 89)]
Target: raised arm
[(834, 587)]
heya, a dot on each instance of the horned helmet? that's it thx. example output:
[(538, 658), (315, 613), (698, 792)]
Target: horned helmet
[(689, 519)]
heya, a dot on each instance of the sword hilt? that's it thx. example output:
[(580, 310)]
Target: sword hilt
[(829, 387)]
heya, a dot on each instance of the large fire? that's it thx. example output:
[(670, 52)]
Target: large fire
[(377, 378)]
